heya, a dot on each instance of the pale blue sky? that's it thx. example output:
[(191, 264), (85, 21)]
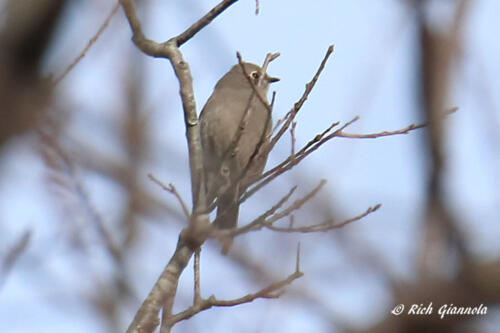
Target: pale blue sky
[(371, 74)]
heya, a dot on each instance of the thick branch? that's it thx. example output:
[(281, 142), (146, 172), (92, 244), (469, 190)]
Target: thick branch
[(170, 51), (155, 49), (146, 319), (164, 290)]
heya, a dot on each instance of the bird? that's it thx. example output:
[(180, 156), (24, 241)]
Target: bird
[(229, 143)]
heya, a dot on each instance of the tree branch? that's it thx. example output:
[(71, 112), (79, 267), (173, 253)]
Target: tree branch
[(164, 290), (91, 42), (274, 290), (171, 189), (405, 130), (298, 105), (203, 22), (324, 226)]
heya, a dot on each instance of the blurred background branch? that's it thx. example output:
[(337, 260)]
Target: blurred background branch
[(84, 233)]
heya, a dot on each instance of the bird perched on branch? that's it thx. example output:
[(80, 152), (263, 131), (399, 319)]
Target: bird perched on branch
[(234, 123)]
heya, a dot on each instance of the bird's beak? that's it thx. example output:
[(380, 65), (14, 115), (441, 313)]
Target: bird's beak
[(271, 79)]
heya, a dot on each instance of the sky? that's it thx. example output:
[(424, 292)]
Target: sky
[(370, 74)]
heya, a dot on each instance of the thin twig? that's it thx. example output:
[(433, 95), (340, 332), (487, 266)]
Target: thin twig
[(264, 135), (295, 206), (273, 98), (171, 189), (324, 226), (91, 42), (273, 290), (233, 146), (203, 22), (13, 254), (263, 221), (405, 130), (318, 141), (292, 137), (269, 57), (65, 166), (298, 105), (259, 220), (291, 161), (297, 261), (311, 143)]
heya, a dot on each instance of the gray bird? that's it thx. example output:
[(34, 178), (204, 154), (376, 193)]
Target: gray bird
[(225, 156)]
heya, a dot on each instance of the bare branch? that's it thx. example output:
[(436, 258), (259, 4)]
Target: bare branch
[(13, 254), (164, 290), (264, 136), (255, 223), (197, 292), (405, 130), (91, 42), (147, 46), (233, 146), (318, 141), (292, 160), (204, 21), (160, 49), (273, 98), (269, 57), (296, 205), (267, 292), (244, 120), (171, 51), (298, 105), (297, 262), (262, 221), (58, 161), (324, 226), (292, 138), (274, 290), (171, 189)]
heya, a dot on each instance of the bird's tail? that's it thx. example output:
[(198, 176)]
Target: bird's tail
[(227, 211), (227, 215)]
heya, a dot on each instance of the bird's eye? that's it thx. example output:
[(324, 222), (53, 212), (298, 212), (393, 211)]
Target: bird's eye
[(254, 75)]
